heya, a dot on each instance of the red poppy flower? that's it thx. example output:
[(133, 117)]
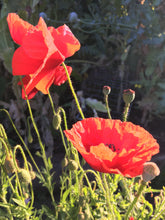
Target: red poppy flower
[(42, 50), (112, 146)]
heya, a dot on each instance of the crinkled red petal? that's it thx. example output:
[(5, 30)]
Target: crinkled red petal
[(18, 27), (64, 40)]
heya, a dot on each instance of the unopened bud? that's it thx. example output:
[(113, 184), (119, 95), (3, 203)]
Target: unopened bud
[(56, 121), (9, 165), (64, 162), (106, 90), (128, 96), (32, 174), (150, 171), (81, 216), (24, 176), (73, 165), (30, 138)]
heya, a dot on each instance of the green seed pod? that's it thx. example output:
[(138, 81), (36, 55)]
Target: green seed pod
[(73, 165), (9, 165), (56, 121), (24, 176), (128, 96)]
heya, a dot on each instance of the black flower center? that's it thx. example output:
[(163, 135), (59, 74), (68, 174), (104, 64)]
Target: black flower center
[(113, 147)]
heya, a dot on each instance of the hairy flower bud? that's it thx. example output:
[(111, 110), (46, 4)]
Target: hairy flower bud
[(150, 171), (56, 121), (128, 96), (81, 216), (64, 162), (24, 176), (73, 165), (9, 165), (32, 174), (106, 90)]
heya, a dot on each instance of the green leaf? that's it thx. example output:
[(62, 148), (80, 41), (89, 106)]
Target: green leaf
[(6, 45), (95, 104), (19, 202)]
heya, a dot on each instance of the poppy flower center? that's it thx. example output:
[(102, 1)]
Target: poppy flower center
[(113, 148)]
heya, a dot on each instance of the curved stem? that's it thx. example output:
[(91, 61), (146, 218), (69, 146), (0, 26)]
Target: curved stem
[(5, 145), (73, 91), (107, 106), (26, 147)]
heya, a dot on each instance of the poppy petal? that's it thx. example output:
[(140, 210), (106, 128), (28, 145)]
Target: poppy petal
[(22, 64), (65, 40), (112, 146), (18, 27)]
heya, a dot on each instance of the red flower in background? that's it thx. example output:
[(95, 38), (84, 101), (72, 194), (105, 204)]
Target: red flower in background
[(112, 146), (42, 50)]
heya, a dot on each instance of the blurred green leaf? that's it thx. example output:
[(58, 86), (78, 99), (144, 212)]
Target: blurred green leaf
[(6, 45)]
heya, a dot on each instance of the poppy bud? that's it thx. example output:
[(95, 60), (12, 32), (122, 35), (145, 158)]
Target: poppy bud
[(24, 176), (64, 162), (106, 90), (56, 121), (150, 171), (32, 174), (128, 96), (81, 216), (30, 138), (73, 165), (9, 165)]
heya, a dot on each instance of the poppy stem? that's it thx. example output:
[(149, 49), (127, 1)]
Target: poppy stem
[(107, 106), (65, 122), (73, 91), (107, 195), (26, 147), (143, 184), (125, 113)]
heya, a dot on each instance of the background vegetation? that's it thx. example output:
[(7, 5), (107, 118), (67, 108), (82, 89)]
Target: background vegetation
[(122, 44)]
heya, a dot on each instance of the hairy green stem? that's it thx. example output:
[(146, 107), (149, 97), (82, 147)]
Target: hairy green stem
[(107, 106), (26, 147), (125, 113), (73, 91), (142, 186), (107, 196)]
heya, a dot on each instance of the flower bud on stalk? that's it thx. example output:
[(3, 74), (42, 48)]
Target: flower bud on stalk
[(64, 162), (57, 121), (9, 165), (106, 90), (150, 171), (128, 97), (24, 176), (73, 165), (81, 216)]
